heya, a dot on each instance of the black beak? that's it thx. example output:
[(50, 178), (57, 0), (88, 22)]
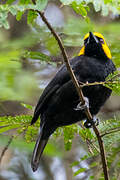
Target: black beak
[(93, 47), (92, 38)]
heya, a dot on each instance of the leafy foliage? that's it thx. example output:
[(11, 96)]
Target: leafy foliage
[(104, 5), (69, 133), (37, 55), (19, 9), (80, 7), (21, 124), (113, 82)]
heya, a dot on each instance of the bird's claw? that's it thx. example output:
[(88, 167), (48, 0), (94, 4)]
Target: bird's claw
[(81, 106), (89, 124)]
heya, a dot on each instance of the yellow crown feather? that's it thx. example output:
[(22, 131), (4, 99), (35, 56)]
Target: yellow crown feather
[(104, 45)]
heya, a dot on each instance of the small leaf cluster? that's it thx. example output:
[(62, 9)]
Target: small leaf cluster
[(69, 133), (21, 125), (37, 55), (82, 6), (18, 9), (113, 82), (110, 130)]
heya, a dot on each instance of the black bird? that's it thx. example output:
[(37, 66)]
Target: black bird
[(59, 102)]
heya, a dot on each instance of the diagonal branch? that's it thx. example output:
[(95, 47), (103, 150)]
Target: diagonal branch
[(79, 90), (5, 148), (58, 39)]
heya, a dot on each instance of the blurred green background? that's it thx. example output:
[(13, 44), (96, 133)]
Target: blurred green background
[(24, 75)]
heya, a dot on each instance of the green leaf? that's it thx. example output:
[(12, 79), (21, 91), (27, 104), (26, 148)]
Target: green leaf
[(84, 157), (9, 123), (86, 134), (19, 15), (31, 133), (69, 132), (93, 164), (79, 8), (10, 1), (24, 1), (3, 17), (52, 45), (79, 171), (41, 4), (31, 16), (5, 129), (13, 10), (75, 163), (113, 82), (92, 177), (5, 24), (37, 55), (27, 106)]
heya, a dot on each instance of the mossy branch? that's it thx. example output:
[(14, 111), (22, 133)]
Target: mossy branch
[(79, 90)]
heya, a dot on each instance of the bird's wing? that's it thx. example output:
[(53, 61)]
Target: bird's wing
[(61, 77)]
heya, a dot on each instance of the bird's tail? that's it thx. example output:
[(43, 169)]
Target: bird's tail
[(38, 150)]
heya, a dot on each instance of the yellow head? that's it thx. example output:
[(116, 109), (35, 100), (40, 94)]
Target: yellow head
[(90, 48)]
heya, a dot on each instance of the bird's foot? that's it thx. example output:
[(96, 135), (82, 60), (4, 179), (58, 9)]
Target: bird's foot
[(89, 124), (83, 107)]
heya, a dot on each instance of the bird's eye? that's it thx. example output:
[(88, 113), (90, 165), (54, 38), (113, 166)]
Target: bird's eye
[(101, 41)]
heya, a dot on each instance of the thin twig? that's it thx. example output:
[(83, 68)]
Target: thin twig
[(64, 56), (98, 83), (89, 147), (79, 90), (89, 141), (114, 130), (5, 148), (114, 77), (93, 145)]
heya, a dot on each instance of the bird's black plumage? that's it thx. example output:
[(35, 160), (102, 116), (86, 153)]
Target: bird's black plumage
[(56, 106)]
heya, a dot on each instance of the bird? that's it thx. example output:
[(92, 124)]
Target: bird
[(60, 105)]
